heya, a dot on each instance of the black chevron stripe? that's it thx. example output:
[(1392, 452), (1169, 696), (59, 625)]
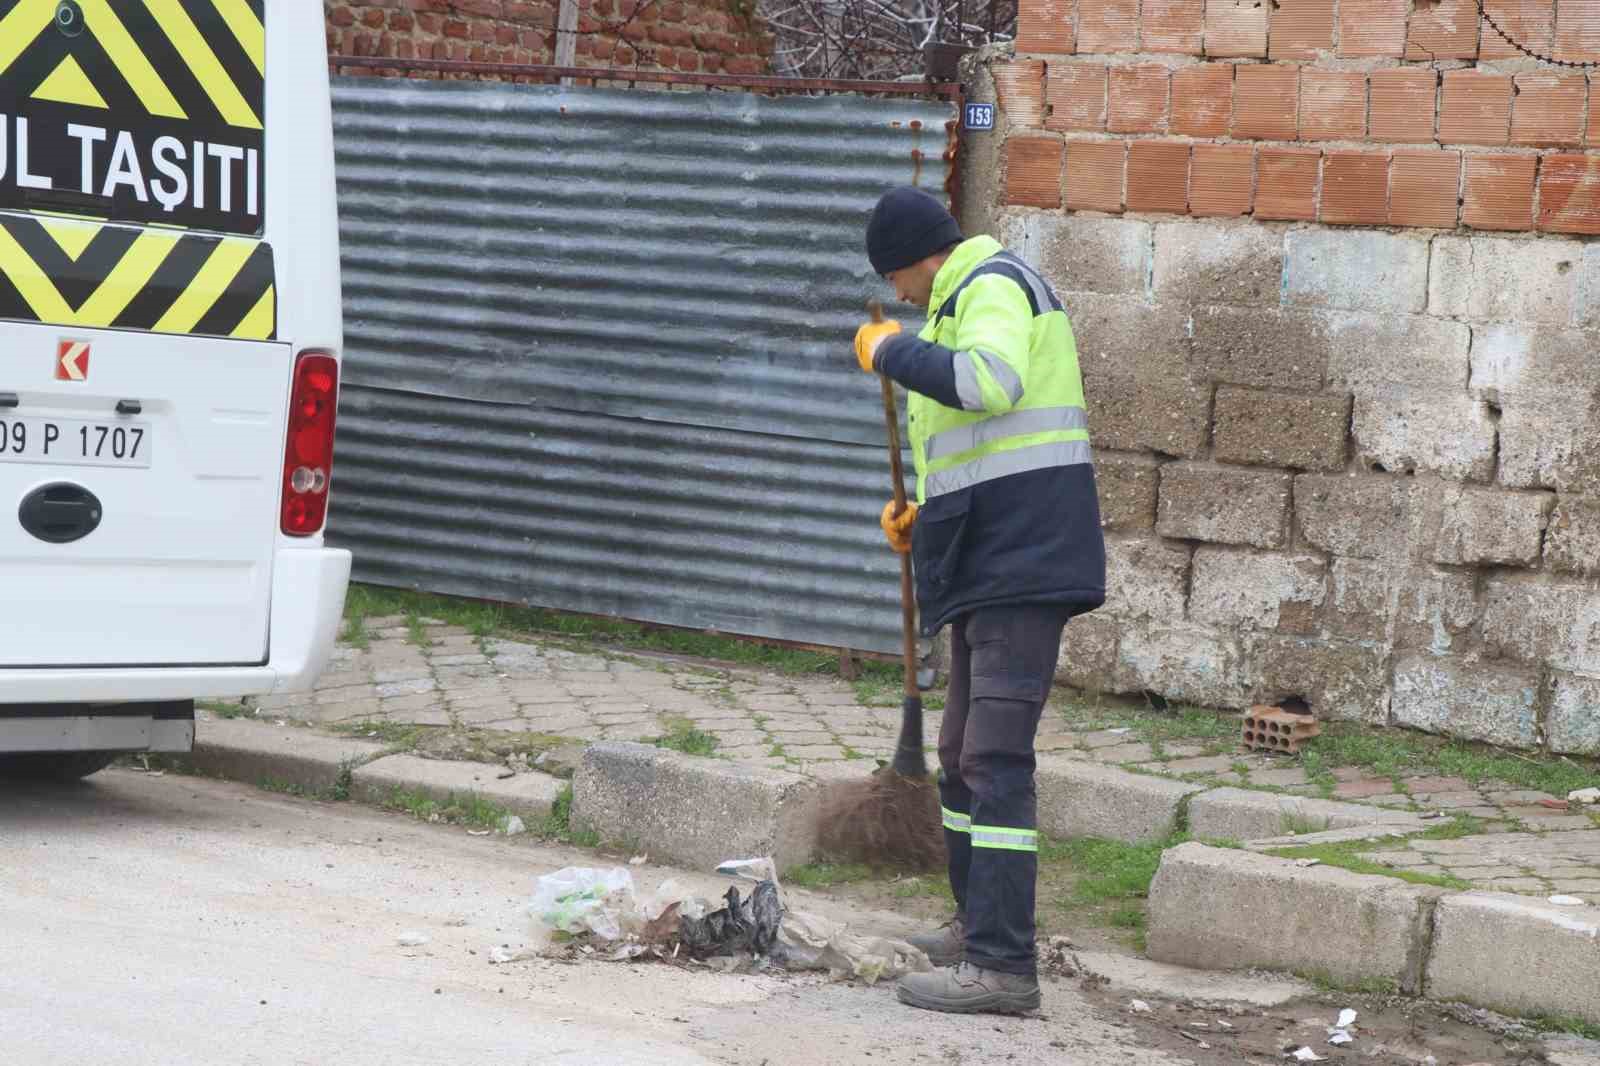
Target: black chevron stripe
[(12, 305), (243, 293), (40, 59), (231, 54), (169, 281), (164, 56), (76, 280)]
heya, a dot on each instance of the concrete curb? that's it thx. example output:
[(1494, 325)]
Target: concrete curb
[(1224, 909), (1240, 815), (1084, 799), (530, 795), (691, 811), (259, 753)]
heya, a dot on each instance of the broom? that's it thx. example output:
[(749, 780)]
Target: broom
[(891, 818)]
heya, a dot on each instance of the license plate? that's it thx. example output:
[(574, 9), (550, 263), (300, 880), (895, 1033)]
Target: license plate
[(70, 442)]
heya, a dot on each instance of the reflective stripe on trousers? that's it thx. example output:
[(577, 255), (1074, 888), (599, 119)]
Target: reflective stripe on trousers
[(1010, 424), (1004, 464)]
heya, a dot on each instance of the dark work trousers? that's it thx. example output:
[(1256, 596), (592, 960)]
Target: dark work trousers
[(1002, 661)]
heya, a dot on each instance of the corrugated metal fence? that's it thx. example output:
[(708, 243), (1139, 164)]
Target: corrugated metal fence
[(598, 350)]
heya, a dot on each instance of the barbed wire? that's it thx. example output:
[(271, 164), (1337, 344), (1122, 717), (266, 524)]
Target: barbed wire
[(1529, 52)]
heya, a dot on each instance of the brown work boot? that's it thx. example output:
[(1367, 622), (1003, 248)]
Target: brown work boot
[(945, 946), (967, 989)]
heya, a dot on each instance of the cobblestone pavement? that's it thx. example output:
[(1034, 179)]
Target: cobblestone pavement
[(443, 676)]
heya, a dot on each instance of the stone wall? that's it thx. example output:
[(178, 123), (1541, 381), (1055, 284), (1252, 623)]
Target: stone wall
[(1347, 426)]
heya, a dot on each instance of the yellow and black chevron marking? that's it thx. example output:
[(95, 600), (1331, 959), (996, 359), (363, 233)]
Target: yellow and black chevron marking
[(196, 60), (70, 273)]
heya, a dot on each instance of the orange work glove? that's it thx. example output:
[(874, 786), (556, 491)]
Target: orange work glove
[(898, 527), (869, 336)]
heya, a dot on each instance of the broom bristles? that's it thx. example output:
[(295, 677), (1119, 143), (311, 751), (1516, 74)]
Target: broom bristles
[(885, 820)]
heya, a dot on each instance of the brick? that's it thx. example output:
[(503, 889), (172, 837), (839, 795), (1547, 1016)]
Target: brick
[(1138, 99), (1020, 89), (1236, 28), (1286, 183), (1306, 432), (1341, 680), (1446, 29), (1136, 376), (1127, 485), (1531, 22), (1497, 191), (341, 16), (373, 17), (1569, 194), (1265, 102), (1532, 373), (1498, 279), (1217, 263), (1158, 177), (1578, 31), (1403, 104), (1246, 590), (1094, 175), (1202, 100), (1465, 698), (1046, 26), (1425, 188), (1333, 105), (1221, 179), (1370, 28), (1173, 26), (1475, 108), (1572, 727), (1108, 26), (1573, 542), (1355, 188), (1301, 29), (1260, 347), (1357, 516), (1033, 172), (1548, 109), (1224, 505), (1079, 253), (1360, 270), (1492, 527), (1076, 93), (1554, 624), (1145, 579)]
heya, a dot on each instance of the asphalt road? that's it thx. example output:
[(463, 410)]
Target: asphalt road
[(173, 920)]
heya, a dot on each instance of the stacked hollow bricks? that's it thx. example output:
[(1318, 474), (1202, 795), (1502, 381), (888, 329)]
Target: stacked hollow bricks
[(709, 35), (1354, 466)]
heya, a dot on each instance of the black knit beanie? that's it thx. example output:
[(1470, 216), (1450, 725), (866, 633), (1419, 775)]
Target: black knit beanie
[(907, 226)]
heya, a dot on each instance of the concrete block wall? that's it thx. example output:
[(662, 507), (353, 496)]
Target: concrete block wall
[(713, 36), (1340, 332), (1352, 466)]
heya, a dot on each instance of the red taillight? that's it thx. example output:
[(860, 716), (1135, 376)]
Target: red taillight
[(308, 456)]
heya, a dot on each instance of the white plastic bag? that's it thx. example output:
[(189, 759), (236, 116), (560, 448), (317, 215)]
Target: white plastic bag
[(809, 942), (584, 900)]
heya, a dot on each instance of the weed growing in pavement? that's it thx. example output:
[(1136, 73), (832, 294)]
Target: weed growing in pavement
[(1297, 824), (1566, 1026), (341, 784), (1110, 870), (456, 809), (1215, 731), (355, 632), (400, 736), (494, 619), (683, 735), (1397, 753), (558, 826), (1377, 987), (227, 708), (283, 788), (417, 634), (823, 874), (931, 886), (1348, 856)]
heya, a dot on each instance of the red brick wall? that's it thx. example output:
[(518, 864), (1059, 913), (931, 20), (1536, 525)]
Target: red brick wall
[(1357, 112), (687, 35)]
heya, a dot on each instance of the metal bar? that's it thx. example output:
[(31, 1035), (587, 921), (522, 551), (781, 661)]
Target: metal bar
[(550, 72)]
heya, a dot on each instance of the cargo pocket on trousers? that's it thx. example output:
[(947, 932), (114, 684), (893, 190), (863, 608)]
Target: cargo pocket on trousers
[(937, 542)]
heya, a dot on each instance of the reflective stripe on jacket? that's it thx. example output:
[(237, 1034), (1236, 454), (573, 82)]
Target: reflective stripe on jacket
[(999, 433)]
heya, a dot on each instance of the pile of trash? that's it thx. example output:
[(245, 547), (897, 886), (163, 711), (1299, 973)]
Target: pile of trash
[(581, 911)]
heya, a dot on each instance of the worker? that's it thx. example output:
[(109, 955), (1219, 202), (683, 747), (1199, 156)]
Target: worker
[(1006, 545)]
